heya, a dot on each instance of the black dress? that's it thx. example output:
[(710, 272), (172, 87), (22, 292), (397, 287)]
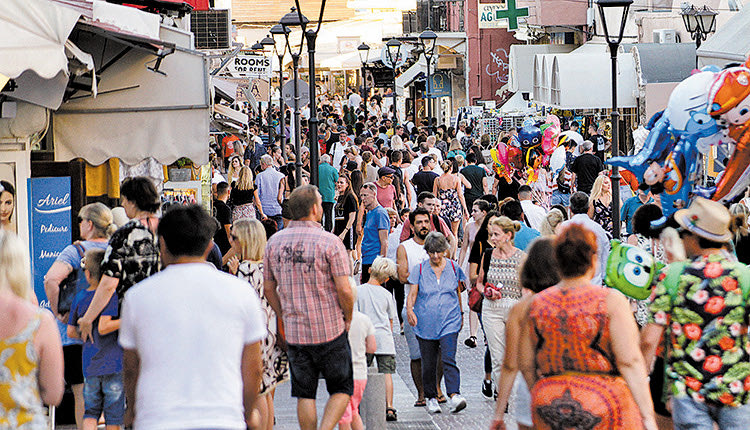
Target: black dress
[(345, 206)]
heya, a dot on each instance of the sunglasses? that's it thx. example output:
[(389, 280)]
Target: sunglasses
[(80, 219), (234, 237)]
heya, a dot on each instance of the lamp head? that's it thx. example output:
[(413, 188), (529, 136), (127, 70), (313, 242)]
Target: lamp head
[(294, 19), (690, 18), (706, 19), (393, 49), (612, 7), (257, 46), (279, 34), (364, 50), (428, 39)]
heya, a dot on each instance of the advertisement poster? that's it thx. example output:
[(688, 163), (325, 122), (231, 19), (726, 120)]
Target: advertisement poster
[(49, 227), (249, 65)]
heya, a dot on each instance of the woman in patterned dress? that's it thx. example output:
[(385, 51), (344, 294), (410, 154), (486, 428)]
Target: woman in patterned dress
[(600, 203), (580, 348), (448, 189), (249, 242)]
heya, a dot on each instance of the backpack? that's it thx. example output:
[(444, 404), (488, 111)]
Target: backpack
[(69, 285)]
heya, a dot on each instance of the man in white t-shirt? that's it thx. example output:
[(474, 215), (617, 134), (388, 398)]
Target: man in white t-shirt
[(191, 336), (534, 214), (575, 135), (354, 100)]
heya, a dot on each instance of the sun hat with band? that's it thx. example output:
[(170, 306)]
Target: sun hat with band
[(705, 218)]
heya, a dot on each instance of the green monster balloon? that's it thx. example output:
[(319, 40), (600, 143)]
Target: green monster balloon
[(631, 270)]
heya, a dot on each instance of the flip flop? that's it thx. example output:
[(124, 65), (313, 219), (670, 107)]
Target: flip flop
[(442, 400), (420, 403)]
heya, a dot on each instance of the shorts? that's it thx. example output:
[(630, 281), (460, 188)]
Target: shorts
[(411, 338), (331, 359), (352, 408), (104, 394), (386, 362), (73, 366)]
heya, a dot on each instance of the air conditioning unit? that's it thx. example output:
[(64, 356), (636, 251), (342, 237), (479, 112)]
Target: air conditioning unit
[(211, 28), (665, 35)]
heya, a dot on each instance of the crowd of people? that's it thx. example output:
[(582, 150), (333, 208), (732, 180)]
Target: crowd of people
[(185, 319)]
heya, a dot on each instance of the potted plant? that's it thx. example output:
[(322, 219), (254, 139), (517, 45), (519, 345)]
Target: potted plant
[(180, 170)]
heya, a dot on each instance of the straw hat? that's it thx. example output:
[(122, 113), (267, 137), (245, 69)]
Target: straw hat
[(705, 218)]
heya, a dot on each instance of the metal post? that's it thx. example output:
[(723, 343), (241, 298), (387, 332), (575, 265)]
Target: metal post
[(282, 109), (313, 128), (364, 92), (428, 98), (297, 142), (613, 48), (395, 109)]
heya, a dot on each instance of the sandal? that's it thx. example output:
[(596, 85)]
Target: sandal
[(441, 399), (390, 414), (420, 403)]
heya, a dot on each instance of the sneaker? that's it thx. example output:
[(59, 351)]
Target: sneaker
[(471, 342), (487, 388), (458, 403), (433, 407)]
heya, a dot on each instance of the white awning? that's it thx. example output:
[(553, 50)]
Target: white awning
[(581, 79), (521, 62), (140, 113), (406, 78), (515, 104), (730, 43)]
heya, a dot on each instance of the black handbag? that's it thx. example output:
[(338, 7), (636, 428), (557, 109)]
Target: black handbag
[(69, 286)]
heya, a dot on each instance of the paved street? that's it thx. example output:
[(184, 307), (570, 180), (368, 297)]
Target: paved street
[(476, 416)]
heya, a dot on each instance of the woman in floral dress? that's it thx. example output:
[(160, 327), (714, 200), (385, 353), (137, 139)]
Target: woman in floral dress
[(249, 242), (600, 203), (448, 189)]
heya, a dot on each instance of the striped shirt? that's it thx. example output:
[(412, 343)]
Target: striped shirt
[(303, 260)]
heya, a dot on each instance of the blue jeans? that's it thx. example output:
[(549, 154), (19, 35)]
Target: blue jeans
[(687, 414), (430, 348), (279, 221), (559, 198), (104, 393)]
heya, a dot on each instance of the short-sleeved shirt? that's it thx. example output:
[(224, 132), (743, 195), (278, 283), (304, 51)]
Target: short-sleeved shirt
[(706, 322), (102, 356), (424, 181), (386, 196), (377, 219), (70, 256), (628, 211), (524, 237), (360, 328), (587, 168), (327, 177), (437, 308), (303, 260), (131, 256), (475, 175), (224, 215), (342, 211), (380, 306), (267, 183)]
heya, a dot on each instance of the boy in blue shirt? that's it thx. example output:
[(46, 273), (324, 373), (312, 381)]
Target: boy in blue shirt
[(102, 356)]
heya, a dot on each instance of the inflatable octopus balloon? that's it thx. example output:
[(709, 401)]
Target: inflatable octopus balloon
[(550, 134), (729, 98)]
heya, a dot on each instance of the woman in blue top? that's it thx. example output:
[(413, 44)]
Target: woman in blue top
[(434, 309)]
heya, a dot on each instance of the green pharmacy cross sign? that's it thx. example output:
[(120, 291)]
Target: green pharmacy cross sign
[(511, 14)]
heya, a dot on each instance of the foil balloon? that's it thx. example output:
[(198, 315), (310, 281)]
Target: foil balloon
[(729, 97), (550, 133), (654, 152), (500, 161), (631, 270), (530, 137)]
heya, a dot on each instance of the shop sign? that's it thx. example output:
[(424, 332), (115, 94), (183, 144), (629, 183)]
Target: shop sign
[(49, 226), (380, 77), (501, 15), (440, 85), (249, 65)]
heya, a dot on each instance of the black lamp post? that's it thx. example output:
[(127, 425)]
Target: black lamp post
[(278, 32), (364, 52), (292, 19), (268, 43), (614, 45), (699, 23), (393, 52), (312, 137), (427, 39)]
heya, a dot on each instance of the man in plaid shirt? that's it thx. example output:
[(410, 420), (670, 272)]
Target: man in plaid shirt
[(306, 282)]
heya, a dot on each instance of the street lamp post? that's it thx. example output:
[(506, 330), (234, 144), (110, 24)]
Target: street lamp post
[(279, 32), (312, 139), (292, 19), (614, 45), (364, 52), (427, 39), (393, 52), (699, 23)]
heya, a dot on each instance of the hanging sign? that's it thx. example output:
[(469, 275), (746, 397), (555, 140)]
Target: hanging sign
[(440, 85), (501, 15), (249, 65)]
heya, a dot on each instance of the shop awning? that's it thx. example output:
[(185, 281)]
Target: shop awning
[(730, 43), (140, 113), (580, 79), (652, 69), (515, 104), (521, 64), (406, 78)]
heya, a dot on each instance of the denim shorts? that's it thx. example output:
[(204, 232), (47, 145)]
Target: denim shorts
[(332, 359), (688, 414), (104, 394), (411, 338)]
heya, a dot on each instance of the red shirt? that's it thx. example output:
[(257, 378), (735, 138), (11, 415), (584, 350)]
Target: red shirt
[(386, 196)]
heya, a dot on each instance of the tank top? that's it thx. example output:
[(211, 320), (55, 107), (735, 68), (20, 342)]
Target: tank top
[(503, 273), (415, 254), (19, 387)]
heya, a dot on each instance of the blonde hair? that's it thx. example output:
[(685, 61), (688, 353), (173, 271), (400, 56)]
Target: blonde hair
[(252, 238), (245, 181), (231, 170), (14, 265), (553, 219), (397, 144), (382, 269), (455, 145), (507, 225), (101, 217), (738, 226), (597, 189), (447, 166)]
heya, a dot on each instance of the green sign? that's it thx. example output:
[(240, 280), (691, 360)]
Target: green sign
[(512, 14)]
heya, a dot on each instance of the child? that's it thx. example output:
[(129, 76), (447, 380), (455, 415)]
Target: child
[(378, 303), (362, 342), (102, 356)]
